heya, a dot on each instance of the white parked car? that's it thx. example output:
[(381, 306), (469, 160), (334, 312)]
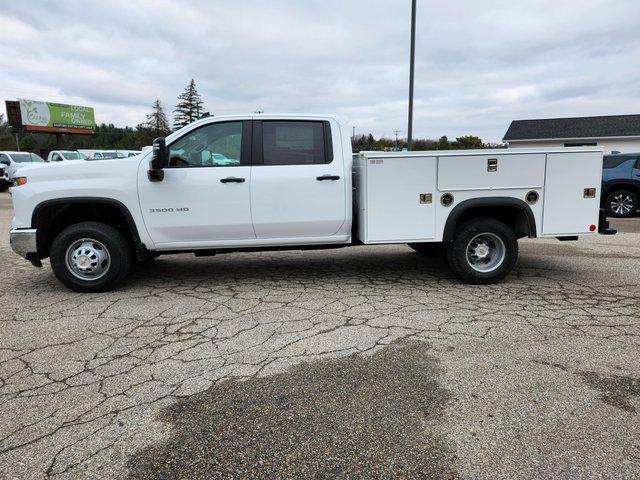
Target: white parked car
[(65, 155), (130, 153), (108, 154), (11, 162), (250, 182)]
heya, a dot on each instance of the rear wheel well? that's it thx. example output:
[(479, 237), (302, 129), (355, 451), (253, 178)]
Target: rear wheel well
[(53, 217), (619, 186), (516, 216)]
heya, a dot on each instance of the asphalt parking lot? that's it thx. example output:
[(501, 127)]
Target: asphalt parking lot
[(369, 362)]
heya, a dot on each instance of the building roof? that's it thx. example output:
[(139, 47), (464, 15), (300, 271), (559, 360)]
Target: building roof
[(577, 127)]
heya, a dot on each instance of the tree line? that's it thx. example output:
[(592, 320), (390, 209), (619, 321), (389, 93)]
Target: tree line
[(369, 142), (189, 108)]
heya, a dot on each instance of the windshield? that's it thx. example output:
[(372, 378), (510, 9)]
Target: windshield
[(21, 157), (72, 156)]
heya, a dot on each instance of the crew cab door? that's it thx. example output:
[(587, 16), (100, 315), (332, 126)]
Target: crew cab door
[(204, 197), (297, 180)]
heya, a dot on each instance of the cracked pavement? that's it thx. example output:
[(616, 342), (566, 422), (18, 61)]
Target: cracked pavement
[(540, 372)]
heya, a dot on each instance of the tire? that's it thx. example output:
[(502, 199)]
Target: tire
[(495, 251), (429, 249), (4, 186), (101, 261), (622, 203)]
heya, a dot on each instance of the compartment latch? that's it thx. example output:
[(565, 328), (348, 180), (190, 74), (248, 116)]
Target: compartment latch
[(426, 198)]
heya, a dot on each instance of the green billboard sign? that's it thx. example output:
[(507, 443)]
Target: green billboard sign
[(56, 117)]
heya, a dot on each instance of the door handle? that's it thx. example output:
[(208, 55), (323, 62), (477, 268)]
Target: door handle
[(232, 180), (328, 177)]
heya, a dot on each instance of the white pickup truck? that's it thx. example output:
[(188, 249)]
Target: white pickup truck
[(264, 182)]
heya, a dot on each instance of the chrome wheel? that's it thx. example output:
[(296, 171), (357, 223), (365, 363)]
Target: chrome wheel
[(621, 204), (88, 259), (486, 252)]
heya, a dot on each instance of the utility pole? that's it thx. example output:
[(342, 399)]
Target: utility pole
[(411, 72), (353, 135), (397, 132)]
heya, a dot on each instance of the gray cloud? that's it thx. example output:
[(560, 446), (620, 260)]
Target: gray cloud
[(478, 64)]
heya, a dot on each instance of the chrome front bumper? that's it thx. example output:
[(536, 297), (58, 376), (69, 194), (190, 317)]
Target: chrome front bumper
[(23, 242)]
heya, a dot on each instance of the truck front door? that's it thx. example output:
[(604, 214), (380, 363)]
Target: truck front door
[(204, 198), (297, 180)]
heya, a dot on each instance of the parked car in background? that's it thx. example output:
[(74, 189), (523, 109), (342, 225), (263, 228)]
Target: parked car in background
[(10, 162), (130, 153), (64, 155), (89, 153), (621, 184), (106, 154)]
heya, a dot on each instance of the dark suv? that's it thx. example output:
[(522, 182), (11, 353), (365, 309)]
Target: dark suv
[(621, 184)]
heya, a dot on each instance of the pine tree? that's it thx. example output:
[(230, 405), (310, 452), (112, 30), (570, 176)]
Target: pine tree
[(157, 122), (189, 107)]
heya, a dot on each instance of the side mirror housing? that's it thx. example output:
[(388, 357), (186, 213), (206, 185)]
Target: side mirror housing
[(159, 160), (5, 162)]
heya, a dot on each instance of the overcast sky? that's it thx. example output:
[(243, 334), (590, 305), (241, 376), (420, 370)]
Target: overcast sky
[(479, 64)]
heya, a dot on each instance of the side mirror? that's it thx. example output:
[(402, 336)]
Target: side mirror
[(5, 162), (159, 160)]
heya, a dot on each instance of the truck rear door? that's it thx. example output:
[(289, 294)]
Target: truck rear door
[(571, 207), (297, 180)]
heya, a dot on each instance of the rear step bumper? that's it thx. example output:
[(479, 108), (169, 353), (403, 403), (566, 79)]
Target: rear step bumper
[(603, 224)]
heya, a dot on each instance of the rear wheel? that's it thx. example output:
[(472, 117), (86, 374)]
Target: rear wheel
[(484, 251), (90, 257), (622, 203)]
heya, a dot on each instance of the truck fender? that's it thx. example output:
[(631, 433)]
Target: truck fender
[(41, 207), (472, 203)]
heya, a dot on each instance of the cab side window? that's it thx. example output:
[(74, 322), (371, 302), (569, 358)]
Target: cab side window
[(295, 143), (214, 145), (56, 158)]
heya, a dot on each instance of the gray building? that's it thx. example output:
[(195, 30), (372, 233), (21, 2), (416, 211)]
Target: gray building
[(613, 132)]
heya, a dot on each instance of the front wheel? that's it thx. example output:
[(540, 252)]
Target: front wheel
[(622, 203), (4, 186), (484, 251), (90, 257)]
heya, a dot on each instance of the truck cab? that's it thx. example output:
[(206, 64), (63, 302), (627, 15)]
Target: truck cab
[(267, 181), (256, 182)]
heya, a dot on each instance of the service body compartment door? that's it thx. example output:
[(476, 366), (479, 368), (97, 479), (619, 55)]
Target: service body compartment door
[(491, 172), (395, 210), (566, 209)]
